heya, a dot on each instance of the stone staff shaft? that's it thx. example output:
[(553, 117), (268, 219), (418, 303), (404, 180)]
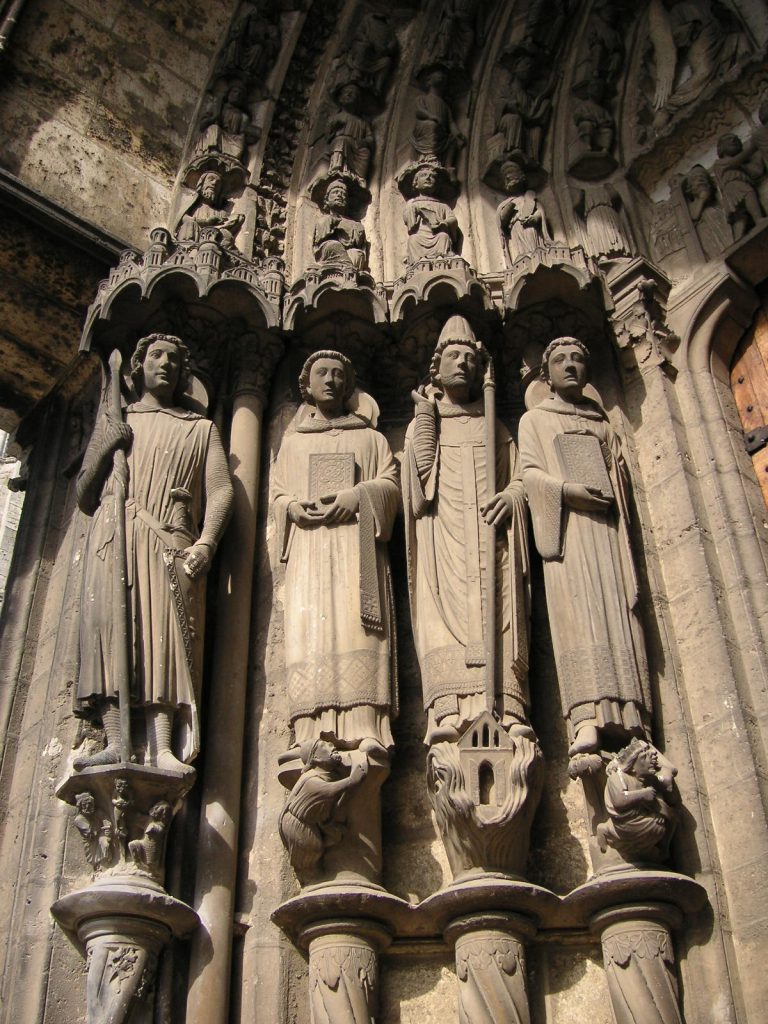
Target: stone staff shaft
[(489, 626), (120, 576)]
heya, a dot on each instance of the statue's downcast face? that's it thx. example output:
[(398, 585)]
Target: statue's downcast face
[(567, 369), (327, 383), (162, 369)]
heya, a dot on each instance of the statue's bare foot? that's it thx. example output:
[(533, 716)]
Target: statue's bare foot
[(109, 755), (169, 763), (587, 741)]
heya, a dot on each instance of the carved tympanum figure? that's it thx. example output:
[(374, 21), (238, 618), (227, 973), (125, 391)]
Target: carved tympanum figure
[(527, 106), (209, 211), (595, 130), (432, 227), (444, 484), (522, 221), (335, 499), (337, 238), (600, 205), (706, 213), (692, 47), (461, 27), (367, 60), (178, 500), (576, 483), (350, 136), (641, 801), (312, 819), (734, 176), (435, 135), (225, 124)]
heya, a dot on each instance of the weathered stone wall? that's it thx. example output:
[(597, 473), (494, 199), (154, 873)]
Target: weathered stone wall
[(97, 100)]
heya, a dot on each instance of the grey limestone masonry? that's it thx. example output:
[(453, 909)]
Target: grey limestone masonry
[(384, 626)]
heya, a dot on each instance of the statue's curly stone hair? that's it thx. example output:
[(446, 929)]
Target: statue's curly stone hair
[(140, 354), (560, 343), (326, 353)]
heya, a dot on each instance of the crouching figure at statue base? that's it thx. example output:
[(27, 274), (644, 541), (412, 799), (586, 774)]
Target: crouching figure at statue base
[(335, 499)]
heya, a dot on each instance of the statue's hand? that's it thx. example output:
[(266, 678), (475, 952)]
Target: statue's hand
[(498, 510), (358, 773), (424, 399), (304, 514), (585, 499), (647, 794), (197, 561), (343, 509), (117, 434)]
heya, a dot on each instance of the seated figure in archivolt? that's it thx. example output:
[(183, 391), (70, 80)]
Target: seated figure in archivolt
[(576, 482), (335, 499), (447, 511)]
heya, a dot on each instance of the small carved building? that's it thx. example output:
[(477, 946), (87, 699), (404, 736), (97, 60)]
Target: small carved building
[(264, 187)]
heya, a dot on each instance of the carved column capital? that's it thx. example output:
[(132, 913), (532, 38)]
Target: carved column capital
[(255, 357), (639, 292)]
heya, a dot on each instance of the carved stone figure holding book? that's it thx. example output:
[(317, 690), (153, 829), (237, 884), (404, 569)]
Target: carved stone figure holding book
[(576, 483), (335, 499)]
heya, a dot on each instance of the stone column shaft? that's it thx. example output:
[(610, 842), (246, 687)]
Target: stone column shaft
[(490, 967), (208, 997)]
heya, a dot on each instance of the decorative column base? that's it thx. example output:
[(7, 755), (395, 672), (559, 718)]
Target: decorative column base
[(344, 970), (123, 924), (490, 966), (640, 962)]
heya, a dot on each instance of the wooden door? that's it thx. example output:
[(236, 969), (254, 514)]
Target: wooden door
[(749, 383)]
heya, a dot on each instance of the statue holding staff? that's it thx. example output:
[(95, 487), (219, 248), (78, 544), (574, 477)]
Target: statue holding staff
[(448, 515), (576, 482), (177, 501)]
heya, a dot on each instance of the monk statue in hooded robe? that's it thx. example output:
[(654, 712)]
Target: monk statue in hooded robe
[(447, 509), (576, 482)]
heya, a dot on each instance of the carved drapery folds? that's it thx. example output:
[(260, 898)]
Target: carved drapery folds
[(403, 173)]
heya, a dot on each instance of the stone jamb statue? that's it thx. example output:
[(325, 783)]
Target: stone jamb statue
[(577, 492), (178, 500), (335, 500), (444, 474)]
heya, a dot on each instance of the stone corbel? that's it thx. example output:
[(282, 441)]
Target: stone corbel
[(125, 917), (639, 293)]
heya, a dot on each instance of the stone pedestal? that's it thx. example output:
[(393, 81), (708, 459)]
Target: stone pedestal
[(122, 923)]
